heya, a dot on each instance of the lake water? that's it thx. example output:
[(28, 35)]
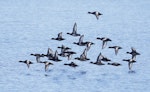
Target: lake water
[(27, 26)]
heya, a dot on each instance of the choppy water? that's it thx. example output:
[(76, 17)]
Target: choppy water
[(27, 26)]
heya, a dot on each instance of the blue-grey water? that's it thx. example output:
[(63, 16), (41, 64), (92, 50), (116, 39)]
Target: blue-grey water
[(27, 26)]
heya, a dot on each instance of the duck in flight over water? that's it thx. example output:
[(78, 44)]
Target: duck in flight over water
[(74, 32), (96, 13), (27, 62)]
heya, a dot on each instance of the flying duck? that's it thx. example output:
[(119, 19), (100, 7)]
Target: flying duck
[(83, 56), (72, 64), (114, 64), (116, 48), (74, 32), (133, 53), (59, 38), (96, 13), (27, 62), (103, 58), (47, 64), (105, 40), (81, 43), (130, 62), (98, 61), (38, 56), (49, 54), (55, 58)]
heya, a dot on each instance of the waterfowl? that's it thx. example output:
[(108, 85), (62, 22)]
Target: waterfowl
[(38, 56), (133, 53), (81, 43), (98, 61), (74, 32), (83, 56), (130, 62), (59, 38), (64, 47), (72, 64), (105, 40), (116, 48), (96, 13), (55, 58), (103, 58), (114, 64), (47, 64), (88, 45), (27, 62), (49, 54)]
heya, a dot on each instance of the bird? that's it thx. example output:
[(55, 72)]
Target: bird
[(116, 48), (72, 64), (81, 43), (98, 61), (130, 62), (63, 49), (114, 64), (38, 56), (88, 46), (133, 53), (55, 58), (59, 38), (47, 64), (83, 56), (49, 54), (74, 32), (104, 58), (28, 62), (105, 40), (96, 13)]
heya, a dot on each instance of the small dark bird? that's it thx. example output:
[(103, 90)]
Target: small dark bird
[(72, 64), (114, 64), (47, 64), (63, 49), (81, 43), (49, 54), (133, 53), (103, 58), (105, 40), (83, 56), (27, 62), (116, 48), (74, 32), (55, 58), (59, 38), (98, 61), (96, 13), (130, 62), (38, 56)]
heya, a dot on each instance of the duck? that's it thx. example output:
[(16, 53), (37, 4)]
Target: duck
[(88, 45), (96, 13), (74, 32), (59, 38), (72, 64), (116, 48), (98, 61), (81, 43), (50, 54), (83, 56), (63, 50), (38, 56), (104, 58), (47, 64), (133, 53), (114, 64), (27, 62), (105, 40), (130, 62), (55, 58)]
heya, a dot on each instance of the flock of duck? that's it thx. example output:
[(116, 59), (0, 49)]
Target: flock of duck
[(66, 51)]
